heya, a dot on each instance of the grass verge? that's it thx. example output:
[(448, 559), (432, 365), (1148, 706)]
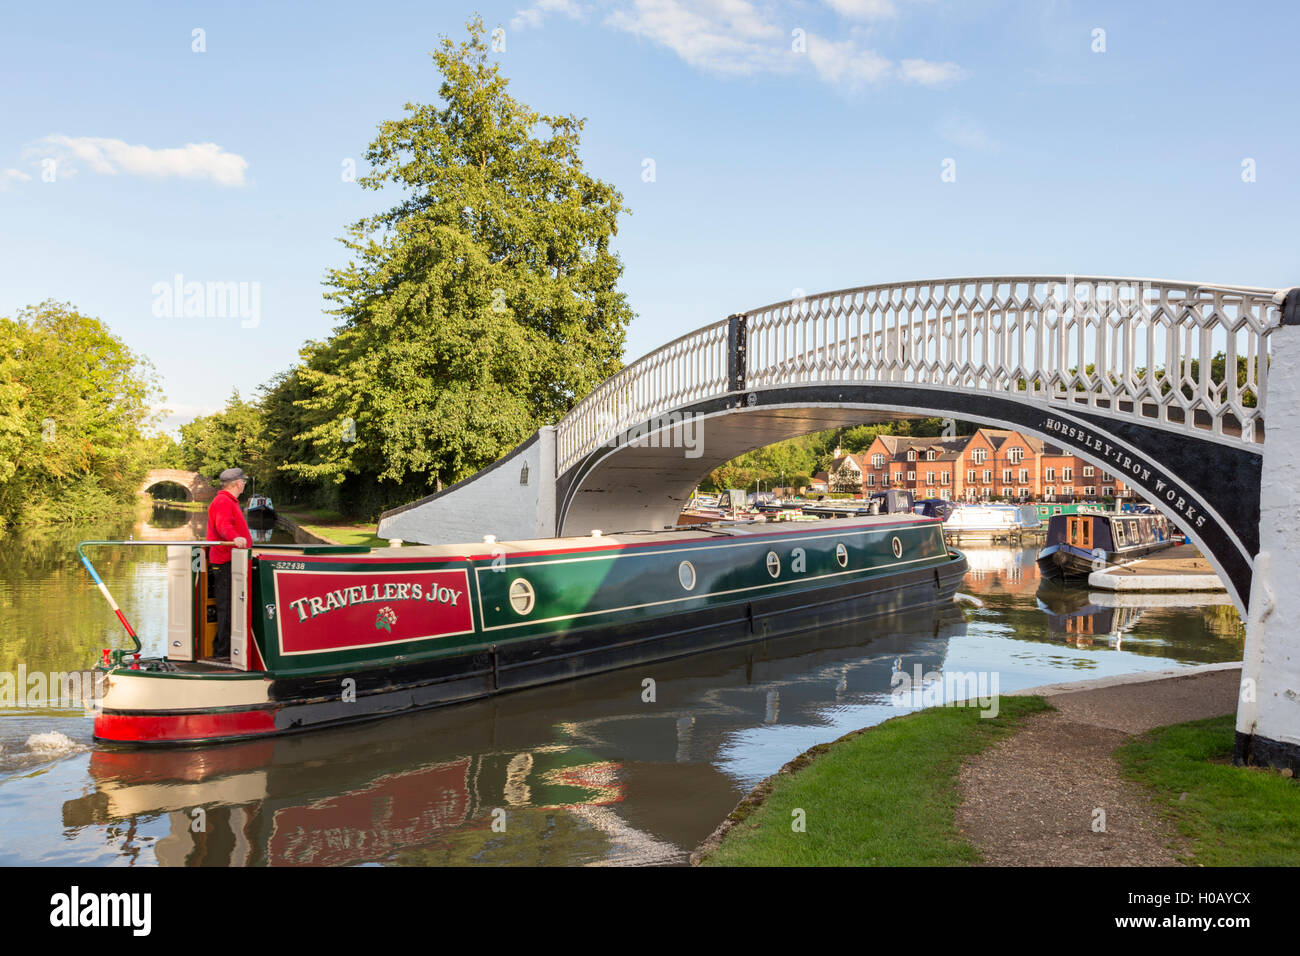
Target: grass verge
[(883, 796), (334, 528), (1233, 816)]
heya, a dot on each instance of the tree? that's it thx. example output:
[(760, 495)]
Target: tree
[(480, 306), (232, 437), (74, 404)]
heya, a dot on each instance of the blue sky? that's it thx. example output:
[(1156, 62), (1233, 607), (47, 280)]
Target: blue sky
[(775, 168)]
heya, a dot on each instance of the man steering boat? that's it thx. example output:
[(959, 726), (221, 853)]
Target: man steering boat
[(225, 523)]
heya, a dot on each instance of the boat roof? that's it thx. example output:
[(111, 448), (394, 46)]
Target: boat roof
[(490, 548)]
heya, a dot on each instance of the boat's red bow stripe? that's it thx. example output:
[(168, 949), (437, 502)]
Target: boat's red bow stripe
[(130, 728)]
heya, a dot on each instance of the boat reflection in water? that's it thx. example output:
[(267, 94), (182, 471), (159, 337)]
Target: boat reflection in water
[(626, 776), (1103, 618)]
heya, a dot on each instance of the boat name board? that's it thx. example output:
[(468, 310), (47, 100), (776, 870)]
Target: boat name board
[(340, 610)]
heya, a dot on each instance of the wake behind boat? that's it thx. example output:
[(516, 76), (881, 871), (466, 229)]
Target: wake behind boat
[(323, 636)]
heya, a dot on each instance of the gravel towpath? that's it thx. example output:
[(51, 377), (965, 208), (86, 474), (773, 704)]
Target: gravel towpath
[(1033, 799)]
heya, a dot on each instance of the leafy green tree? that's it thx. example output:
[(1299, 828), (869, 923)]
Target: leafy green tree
[(232, 437), (480, 306), (74, 407)]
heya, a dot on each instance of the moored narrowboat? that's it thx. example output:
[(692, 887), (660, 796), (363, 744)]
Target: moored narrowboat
[(328, 635), (1078, 544), (260, 509), (991, 520)]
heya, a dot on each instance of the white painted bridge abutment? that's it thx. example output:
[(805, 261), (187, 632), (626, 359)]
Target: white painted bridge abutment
[(1121, 372)]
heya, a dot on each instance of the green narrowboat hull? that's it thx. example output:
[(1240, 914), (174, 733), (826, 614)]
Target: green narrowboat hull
[(334, 638)]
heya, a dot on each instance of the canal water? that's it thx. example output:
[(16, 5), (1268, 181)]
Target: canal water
[(589, 772)]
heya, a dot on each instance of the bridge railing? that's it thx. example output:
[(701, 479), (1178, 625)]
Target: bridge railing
[(1162, 352), (686, 370)]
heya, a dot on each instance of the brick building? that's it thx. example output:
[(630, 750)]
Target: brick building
[(992, 463)]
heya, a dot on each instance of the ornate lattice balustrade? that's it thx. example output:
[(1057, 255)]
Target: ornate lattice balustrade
[(1162, 352)]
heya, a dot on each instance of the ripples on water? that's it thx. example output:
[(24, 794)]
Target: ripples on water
[(579, 773)]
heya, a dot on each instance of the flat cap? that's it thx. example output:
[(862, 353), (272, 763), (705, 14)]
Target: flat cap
[(233, 474)]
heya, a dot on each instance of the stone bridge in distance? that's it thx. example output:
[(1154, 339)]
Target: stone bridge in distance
[(197, 488), (1165, 384)]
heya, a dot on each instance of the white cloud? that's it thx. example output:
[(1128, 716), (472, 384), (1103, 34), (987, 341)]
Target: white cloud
[(181, 413), (843, 63), (929, 73), (10, 176), (749, 38), (531, 17), (722, 36), (864, 9), (113, 156)]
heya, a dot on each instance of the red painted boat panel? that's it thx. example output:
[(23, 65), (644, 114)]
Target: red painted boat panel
[(332, 611), (160, 728)]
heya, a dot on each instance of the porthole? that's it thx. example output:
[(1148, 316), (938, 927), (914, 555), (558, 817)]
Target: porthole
[(842, 555), (522, 597), (773, 564), (686, 575), (898, 547)]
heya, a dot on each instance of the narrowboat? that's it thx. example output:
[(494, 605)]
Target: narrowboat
[(1078, 544), (260, 510), (328, 635), (991, 520), (1048, 508)]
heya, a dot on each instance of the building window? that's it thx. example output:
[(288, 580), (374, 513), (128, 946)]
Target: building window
[(1006, 474), (911, 476), (1091, 491), (1107, 491), (1067, 474), (1022, 492), (1024, 474), (929, 455), (988, 476), (978, 455), (877, 461), (1016, 455), (970, 476), (1006, 492), (898, 476), (911, 454), (1087, 471), (1051, 491), (945, 477), (929, 477), (1050, 474), (871, 481), (1068, 490), (1105, 476)]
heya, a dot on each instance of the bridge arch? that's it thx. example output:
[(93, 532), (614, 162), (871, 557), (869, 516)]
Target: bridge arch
[(197, 488)]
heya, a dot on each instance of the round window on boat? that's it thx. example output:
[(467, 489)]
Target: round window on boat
[(522, 597), (897, 546), (842, 555), (773, 564), (686, 575)]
